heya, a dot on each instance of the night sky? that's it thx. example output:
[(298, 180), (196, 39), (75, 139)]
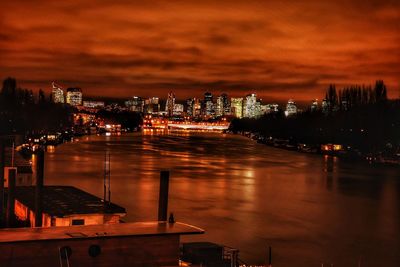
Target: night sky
[(279, 49)]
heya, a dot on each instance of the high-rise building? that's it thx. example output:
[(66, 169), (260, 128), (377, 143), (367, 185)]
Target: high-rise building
[(170, 104), (222, 106), (74, 96), (250, 109), (190, 107), (197, 108), (219, 107), (208, 104), (237, 107), (291, 108), (135, 104), (57, 93)]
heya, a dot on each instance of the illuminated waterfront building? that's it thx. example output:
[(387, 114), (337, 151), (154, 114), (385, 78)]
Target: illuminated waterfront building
[(291, 108), (135, 104), (250, 107), (170, 104), (57, 93), (237, 107), (74, 96)]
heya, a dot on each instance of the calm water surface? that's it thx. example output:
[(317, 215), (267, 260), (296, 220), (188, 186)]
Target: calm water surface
[(311, 209)]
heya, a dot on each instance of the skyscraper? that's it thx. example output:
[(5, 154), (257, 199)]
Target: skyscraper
[(74, 96), (170, 104), (208, 104), (250, 106), (237, 107), (190, 107), (57, 93), (223, 106)]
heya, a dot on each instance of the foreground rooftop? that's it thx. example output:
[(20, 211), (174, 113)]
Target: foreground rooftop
[(97, 231)]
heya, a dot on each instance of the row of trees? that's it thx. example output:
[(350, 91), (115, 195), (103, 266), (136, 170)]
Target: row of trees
[(356, 95), (370, 124), (22, 112)]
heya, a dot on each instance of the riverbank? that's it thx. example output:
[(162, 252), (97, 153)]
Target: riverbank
[(337, 150)]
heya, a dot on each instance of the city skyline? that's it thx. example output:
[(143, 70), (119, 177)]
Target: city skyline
[(279, 50)]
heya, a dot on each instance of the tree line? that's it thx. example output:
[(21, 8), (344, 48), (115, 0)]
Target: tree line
[(23, 112), (362, 118)]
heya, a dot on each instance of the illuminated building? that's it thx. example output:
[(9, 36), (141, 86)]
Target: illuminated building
[(152, 101), (57, 93), (65, 206), (237, 107), (269, 108), (208, 104), (93, 104), (222, 107), (135, 104), (170, 104), (251, 108), (197, 107), (291, 108), (190, 107), (178, 109), (151, 105), (74, 96)]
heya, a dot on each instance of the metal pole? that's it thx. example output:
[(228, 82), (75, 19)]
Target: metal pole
[(163, 196), (39, 188), (270, 257), (11, 197)]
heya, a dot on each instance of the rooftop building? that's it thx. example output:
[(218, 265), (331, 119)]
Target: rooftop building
[(65, 206)]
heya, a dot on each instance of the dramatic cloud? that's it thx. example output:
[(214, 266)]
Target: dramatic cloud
[(279, 49)]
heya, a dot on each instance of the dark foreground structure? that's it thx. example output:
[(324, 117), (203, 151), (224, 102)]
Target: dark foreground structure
[(116, 245)]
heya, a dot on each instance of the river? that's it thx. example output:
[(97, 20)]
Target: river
[(310, 209)]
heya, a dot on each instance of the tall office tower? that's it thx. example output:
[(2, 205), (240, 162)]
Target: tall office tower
[(250, 106), (57, 93), (208, 104), (74, 96), (170, 104), (190, 107), (237, 107), (222, 106)]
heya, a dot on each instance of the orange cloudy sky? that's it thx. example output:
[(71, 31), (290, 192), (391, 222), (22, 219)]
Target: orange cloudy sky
[(279, 49)]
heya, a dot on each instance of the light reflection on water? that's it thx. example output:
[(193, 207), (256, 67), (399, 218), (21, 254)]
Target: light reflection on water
[(309, 208)]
